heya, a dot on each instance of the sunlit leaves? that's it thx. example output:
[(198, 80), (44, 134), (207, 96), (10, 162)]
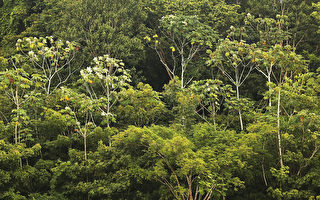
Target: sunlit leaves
[(141, 106), (103, 81), (213, 96), (186, 37), (316, 14), (50, 57)]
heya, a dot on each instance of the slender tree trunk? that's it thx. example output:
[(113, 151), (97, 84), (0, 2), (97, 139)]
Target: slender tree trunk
[(17, 122), (85, 133), (239, 110), (269, 82), (182, 70), (16, 128), (48, 87), (214, 115), (262, 167), (108, 104), (16, 133), (85, 145), (278, 125), (238, 96)]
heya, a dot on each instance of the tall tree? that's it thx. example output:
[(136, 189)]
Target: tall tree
[(103, 81), (235, 59), (50, 58), (19, 87), (296, 16), (186, 36), (289, 64)]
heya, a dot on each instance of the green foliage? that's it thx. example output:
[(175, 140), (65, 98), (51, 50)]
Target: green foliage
[(15, 18), (294, 17), (76, 125), (15, 179), (52, 58), (19, 87), (268, 30), (187, 37), (102, 27), (213, 96), (182, 103), (206, 165), (233, 58), (218, 14), (316, 14), (140, 107), (109, 76)]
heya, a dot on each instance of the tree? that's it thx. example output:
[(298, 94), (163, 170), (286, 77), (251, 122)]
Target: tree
[(275, 55), (300, 105), (295, 17), (50, 58), (213, 96), (81, 112), (186, 36), (201, 167), (218, 14), (141, 106), (235, 60), (15, 180), (289, 61), (299, 140), (181, 102), (19, 87), (104, 81), (101, 27)]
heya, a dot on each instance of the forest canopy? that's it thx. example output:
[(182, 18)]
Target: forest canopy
[(159, 99)]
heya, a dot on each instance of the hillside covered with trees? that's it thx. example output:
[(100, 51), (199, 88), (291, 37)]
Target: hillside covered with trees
[(159, 99)]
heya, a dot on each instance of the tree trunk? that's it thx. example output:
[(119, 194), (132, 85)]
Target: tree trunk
[(16, 128), (269, 82), (16, 133), (48, 87), (17, 122), (238, 96), (262, 167), (182, 69), (108, 104), (85, 145), (278, 125), (214, 115), (239, 110)]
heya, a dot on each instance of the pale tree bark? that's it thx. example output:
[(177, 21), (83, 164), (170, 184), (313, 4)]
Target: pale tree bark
[(278, 123)]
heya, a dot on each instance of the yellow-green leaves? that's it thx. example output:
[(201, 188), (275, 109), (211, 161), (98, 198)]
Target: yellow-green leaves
[(147, 38), (185, 36), (316, 14), (141, 106)]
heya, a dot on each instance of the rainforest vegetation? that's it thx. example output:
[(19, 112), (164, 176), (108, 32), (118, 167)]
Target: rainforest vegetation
[(159, 99)]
